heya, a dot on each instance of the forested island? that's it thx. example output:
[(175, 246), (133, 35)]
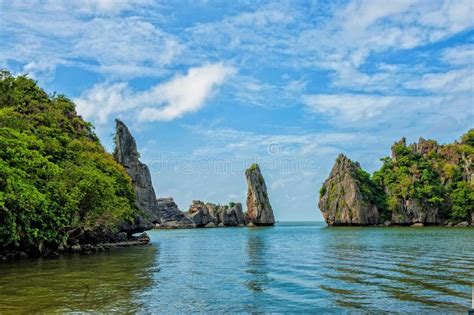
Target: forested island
[(424, 183), (62, 192)]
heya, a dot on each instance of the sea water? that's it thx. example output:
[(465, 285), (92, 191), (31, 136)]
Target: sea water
[(292, 267)]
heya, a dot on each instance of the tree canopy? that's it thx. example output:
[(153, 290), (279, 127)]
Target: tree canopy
[(54, 173)]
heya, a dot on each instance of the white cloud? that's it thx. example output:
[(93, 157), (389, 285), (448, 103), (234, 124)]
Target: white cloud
[(453, 81), (126, 42), (185, 94), (103, 99), (348, 107), (460, 55), (163, 102), (107, 6), (87, 34)]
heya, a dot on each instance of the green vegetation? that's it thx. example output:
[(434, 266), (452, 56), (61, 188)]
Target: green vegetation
[(372, 191), (431, 175), (253, 167), (322, 191), (54, 173)]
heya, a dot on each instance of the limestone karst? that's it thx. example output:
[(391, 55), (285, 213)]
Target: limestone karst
[(259, 210)]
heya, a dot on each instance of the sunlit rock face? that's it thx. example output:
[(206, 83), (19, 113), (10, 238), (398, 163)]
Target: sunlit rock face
[(343, 201), (259, 210)]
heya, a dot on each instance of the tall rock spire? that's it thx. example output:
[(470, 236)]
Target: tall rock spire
[(259, 210), (126, 154)]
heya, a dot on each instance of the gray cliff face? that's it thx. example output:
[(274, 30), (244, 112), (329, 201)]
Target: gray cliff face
[(199, 214), (412, 212), (342, 201), (231, 215), (171, 216), (204, 214), (126, 154), (259, 210)]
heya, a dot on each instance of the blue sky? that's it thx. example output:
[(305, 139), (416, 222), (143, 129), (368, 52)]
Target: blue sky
[(209, 87)]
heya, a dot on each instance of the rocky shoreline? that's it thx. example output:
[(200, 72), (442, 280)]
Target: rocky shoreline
[(78, 242)]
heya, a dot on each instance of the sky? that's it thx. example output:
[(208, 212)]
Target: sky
[(210, 87)]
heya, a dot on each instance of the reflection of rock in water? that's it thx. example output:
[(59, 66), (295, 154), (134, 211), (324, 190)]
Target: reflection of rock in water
[(257, 266), (108, 282)]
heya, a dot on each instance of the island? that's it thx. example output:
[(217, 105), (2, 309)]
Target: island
[(423, 183)]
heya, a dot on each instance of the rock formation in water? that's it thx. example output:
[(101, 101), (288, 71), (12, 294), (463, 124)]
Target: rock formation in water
[(345, 198), (259, 210), (424, 183), (126, 154), (211, 215), (199, 214), (171, 216)]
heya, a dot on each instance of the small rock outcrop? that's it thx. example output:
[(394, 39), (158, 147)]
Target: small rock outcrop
[(199, 214), (209, 214), (127, 155), (344, 196), (259, 210), (231, 215), (170, 215)]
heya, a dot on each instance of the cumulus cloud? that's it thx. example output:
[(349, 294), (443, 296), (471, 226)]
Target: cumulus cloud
[(184, 94), (163, 102)]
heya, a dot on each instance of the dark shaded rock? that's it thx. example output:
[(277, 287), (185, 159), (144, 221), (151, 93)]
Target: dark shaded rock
[(412, 212), (126, 154), (21, 255), (259, 210), (199, 214), (76, 248), (122, 236), (343, 198), (143, 237), (171, 216), (231, 215)]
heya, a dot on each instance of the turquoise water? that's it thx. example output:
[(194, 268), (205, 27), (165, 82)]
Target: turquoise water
[(293, 267)]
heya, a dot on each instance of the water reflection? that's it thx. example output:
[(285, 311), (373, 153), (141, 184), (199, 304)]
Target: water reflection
[(104, 282), (256, 264)]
